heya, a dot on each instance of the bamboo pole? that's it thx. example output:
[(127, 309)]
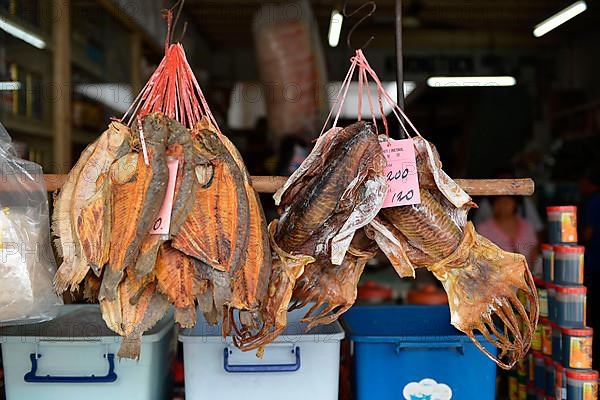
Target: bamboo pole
[(474, 187)]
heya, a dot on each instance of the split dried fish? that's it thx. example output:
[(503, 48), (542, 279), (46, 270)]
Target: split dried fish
[(138, 190)]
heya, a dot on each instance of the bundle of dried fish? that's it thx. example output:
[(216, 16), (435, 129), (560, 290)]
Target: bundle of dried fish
[(337, 190), (481, 280)]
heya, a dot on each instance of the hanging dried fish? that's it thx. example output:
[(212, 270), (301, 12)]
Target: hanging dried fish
[(216, 229), (179, 148), (481, 280), (338, 189), (138, 190), (88, 181)]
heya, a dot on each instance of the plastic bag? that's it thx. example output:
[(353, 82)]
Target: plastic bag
[(27, 262), (292, 68)]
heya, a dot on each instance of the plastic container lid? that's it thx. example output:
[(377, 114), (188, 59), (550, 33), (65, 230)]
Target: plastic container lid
[(571, 289), (550, 285), (554, 325), (538, 355), (569, 249), (577, 331), (561, 209), (546, 246), (539, 282), (541, 392), (558, 366), (582, 375), (373, 291), (544, 321), (548, 361)]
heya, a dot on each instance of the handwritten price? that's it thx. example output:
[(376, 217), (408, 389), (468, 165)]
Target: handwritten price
[(401, 173)]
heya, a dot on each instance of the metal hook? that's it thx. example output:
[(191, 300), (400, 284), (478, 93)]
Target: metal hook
[(360, 21)]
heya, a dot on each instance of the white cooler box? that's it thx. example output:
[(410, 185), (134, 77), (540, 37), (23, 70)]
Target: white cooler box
[(297, 366), (75, 356)]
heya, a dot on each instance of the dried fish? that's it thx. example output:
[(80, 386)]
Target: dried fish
[(481, 280), (138, 190)]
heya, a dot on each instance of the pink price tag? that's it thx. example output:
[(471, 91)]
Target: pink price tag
[(401, 173), (163, 221)]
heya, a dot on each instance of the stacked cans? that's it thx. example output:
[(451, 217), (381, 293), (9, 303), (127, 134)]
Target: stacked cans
[(561, 356)]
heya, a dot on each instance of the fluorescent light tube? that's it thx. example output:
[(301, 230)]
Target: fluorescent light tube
[(335, 28), (470, 81), (559, 18), (18, 32), (6, 86)]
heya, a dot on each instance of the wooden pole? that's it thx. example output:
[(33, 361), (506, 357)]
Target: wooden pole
[(475, 187), (61, 37)]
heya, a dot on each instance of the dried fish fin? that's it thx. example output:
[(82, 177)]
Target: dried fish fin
[(482, 280)]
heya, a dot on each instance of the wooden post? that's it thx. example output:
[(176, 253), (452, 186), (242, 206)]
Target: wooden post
[(136, 63), (61, 101)]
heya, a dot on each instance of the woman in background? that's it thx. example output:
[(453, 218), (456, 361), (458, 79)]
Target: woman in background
[(510, 231)]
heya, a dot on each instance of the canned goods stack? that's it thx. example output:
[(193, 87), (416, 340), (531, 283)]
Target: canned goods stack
[(560, 361)]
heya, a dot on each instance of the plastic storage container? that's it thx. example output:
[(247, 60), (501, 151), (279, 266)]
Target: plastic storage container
[(571, 306), (552, 311), (536, 340), (562, 224), (550, 377), (582, 385), (403, 352), (540, 370), (540, 394), (556, 342), (531, 368), (546, 336), (513, 388), (542, 297), (522, 391), (296, 366), (74, 356), (577, 348), (568, 265), (548, 262), (560, 391)]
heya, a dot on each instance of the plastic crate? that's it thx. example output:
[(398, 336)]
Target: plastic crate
[(413, 353), (75, 356), (296, 366)]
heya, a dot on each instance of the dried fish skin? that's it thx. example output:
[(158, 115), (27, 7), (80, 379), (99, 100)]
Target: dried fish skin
[(176, 279), (138, 190), (216, 229), (339, 194)]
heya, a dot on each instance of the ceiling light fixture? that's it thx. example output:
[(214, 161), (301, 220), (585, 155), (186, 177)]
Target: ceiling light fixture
[(559, 18), (335, 28), (470, 81), (20, 33)]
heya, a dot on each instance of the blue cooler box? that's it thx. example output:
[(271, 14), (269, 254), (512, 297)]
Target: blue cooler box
[(413, 353)]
